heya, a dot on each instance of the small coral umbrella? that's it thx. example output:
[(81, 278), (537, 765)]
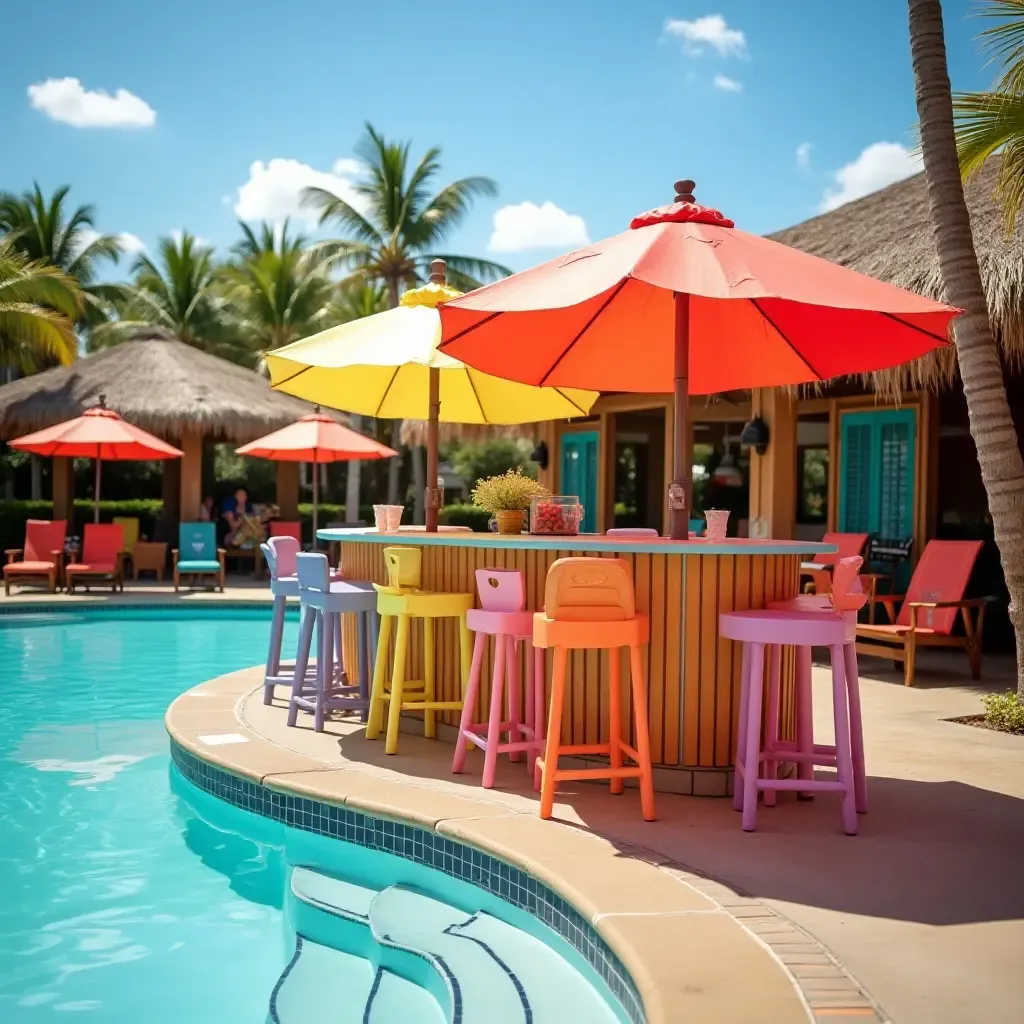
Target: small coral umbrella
[(685, 302), (98, 434), (318, 439), (388, 366)]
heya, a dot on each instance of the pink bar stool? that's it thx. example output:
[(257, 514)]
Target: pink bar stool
[(800, 627), (502, 615), (845, 597)]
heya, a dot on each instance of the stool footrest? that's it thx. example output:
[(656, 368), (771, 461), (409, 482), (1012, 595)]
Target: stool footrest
[(822, 758), (406, 692), (802, 785), (432, 705), (473, 732), (584, 748), (502, 748), (580, 774)]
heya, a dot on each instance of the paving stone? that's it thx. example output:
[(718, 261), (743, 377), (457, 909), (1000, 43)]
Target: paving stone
[(795, 948), (805, 971), (805, 959)]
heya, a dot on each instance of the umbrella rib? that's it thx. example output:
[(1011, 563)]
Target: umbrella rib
[(455, 337), (604, 305), (384, 397), (476, 395), (782, 334), (582, 411), (913, 327), (281, 383)]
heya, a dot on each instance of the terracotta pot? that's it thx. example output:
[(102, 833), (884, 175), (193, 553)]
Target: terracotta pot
[(510, 520)]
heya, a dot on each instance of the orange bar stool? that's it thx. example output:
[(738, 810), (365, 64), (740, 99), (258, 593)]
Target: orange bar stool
[(589, 604), (400, 602)]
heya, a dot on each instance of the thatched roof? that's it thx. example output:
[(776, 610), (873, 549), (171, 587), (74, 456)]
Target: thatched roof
[(888, 235), (156, 382), (415, 431)]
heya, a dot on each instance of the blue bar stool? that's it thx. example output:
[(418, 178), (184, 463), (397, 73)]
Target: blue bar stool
[(323, 602)]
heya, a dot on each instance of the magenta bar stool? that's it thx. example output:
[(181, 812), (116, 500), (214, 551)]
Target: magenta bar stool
[(799, 626), (502, 615)]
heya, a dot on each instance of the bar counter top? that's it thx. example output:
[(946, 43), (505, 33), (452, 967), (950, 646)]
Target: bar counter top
[(457, 537)]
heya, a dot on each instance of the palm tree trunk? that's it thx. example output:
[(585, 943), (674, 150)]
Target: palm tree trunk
[(1002, 468), (394, 464), (354, 477)]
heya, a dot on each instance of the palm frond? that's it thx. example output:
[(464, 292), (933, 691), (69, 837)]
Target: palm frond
[(451, 205), (36, 330), (333, 207), (1004, 42)]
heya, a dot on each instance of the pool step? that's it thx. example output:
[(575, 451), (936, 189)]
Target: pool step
[(332, 895), (308, 993), (395, 1000)]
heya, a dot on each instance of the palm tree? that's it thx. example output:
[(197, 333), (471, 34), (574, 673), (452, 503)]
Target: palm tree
[(277, 290), (991, 121), (177, 292), (1002, 468), (39, 305), (395, 230), (43, 229)]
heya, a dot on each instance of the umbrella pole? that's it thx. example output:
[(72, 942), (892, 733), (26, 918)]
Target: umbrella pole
[(432, 494), (680, 488), (316, 500), (96, 491)]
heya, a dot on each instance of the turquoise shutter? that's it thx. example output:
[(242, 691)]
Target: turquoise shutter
[(579, 473)]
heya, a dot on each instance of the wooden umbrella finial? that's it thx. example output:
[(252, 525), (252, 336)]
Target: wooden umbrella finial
[(684, 191), (438, 271)]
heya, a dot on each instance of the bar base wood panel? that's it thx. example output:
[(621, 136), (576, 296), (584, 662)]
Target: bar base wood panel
[(693, 675)]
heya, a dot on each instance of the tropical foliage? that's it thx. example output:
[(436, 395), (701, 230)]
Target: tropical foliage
[(987, 122), (39, 304)]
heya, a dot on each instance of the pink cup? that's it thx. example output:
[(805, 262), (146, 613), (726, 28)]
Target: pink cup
[(718, 521), (394, 517), (380, 518)]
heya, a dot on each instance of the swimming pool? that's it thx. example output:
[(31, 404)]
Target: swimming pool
[(130, 894)]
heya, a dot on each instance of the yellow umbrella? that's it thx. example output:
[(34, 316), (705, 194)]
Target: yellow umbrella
[(388, 366)]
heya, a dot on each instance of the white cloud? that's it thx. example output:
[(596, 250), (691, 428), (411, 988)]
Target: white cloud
[(68, 101), (727, 84), (803, 155), (710, 30), (177, 234), (529, 226), (130, 244), (880, 164), (273, 190)]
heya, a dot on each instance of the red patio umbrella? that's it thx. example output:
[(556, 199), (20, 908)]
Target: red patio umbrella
[(685, 302), (318, 439), (98, 434)]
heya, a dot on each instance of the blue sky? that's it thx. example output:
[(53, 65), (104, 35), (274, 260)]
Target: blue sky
[(584, 111)]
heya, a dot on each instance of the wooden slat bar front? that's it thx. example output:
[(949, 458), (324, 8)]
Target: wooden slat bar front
[(693, 675)]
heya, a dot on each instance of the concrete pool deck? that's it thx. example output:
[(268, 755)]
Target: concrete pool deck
[(918, 919)]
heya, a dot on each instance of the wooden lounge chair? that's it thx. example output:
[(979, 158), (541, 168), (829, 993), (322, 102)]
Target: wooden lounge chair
[(197, 554), (928, 610), (102, 558), (819, 568), (43, 554)]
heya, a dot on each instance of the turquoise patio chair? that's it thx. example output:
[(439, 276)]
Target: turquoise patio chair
[(197, 553)]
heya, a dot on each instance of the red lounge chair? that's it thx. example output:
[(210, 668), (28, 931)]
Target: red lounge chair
[(43, 554), (851, 545), (102, 558), (928, 611)]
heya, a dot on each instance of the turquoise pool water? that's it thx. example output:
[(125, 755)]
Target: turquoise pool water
[(119, 903)]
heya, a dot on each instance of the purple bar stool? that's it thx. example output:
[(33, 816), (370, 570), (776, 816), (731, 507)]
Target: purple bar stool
[(322, 604)]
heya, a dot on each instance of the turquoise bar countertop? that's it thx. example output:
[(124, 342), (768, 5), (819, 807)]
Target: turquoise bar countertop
[(454, 537)]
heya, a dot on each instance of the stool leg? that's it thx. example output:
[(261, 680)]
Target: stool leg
[(397, 684), (539, 725), (515, 715), (380, 670), (363, 656), (274, 652), (643, 735), (547, 785), (741, 728), (429, 717), (494, 718), (469, 705), (301, 660), (615, 715), (465, 653), (771, 767), (324, 666), (339, 650), (752, 726), (860, 781), (844, 762), (804, 716)]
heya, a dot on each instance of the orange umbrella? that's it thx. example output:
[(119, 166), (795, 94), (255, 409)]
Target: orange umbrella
[(98, 434), (318, 439), (685, 302)]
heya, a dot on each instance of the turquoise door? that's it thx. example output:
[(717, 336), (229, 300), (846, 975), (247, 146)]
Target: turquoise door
[(877, 473), (579, 473)]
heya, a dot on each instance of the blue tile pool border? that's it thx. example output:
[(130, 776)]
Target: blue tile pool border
[(427, 848)]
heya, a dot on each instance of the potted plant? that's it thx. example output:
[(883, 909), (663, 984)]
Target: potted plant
[(507, 497)]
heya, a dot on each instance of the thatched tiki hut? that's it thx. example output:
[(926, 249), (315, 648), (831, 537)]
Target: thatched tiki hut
[(171, 389)]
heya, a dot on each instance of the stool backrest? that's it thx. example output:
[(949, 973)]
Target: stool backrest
[(847, 594), (404, 567), (270, 558), (312, 570), (500, 590), (590, 590), (285, 549), (632, 531)]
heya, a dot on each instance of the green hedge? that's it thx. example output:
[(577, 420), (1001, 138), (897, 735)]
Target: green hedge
[(466, 515)]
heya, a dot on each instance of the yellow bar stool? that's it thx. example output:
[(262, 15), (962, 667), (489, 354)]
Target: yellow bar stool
[(400, 602)]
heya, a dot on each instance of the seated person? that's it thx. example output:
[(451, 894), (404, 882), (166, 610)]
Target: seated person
[(245, 530), (206, 510)]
